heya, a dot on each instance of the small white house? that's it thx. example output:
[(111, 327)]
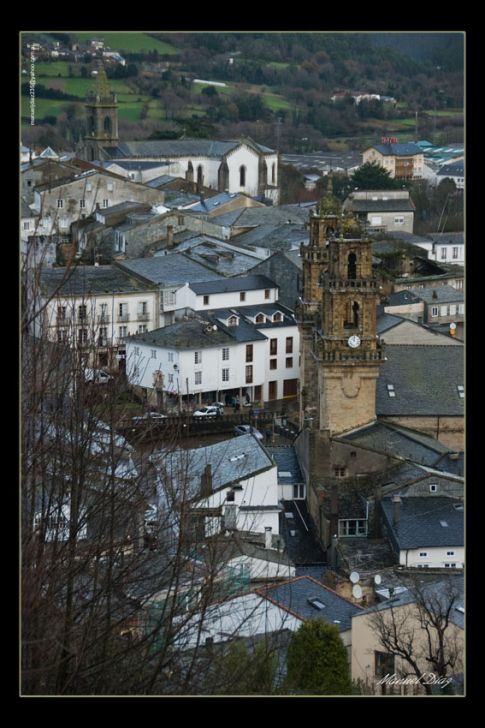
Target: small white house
[(425, 532), (230, 485)]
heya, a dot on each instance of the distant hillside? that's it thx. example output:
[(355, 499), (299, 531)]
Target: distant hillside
[(441, 49)]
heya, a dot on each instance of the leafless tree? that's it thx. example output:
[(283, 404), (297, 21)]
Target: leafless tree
[(422, 634), (106, 597)]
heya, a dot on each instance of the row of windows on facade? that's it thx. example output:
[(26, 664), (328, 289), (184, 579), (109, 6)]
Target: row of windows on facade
[(454, 253), (224, 174), (82, 203), (122, 311), (242, 297), (100, 338), (450, 310)]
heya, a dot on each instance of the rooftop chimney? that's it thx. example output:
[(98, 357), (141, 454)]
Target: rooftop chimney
[(267, 537), (206, 482), (169, 236), (396, 509)]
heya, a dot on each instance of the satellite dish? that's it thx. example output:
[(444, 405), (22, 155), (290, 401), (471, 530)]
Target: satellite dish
[(377, 579), (357, 591), (354, 577)]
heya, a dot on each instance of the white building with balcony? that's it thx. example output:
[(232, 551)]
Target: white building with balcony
[(95, 308), (248, 352)]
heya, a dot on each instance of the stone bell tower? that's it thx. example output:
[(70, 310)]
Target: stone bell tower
[(347, 349), (324, 224), (102, 119)]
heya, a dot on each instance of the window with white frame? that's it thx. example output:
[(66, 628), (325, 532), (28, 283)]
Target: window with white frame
[(225, 375), (142, 328), (198, 377), (352, 527), (170, 356), (399, 220), (423, 554), (455, 253), (82, 204), (461, 391), (105, 203), (433, 488), (443, 310), (170, 378), (153, 353), (225, 353), (60, 204), (123, 331), (89, 187), (450, 553), (298, 491), (434, 310), (452, 309), (450, 566), (443, 253), (27, 225), (197, 357), (461, 308), (136, 350), (110, 187)]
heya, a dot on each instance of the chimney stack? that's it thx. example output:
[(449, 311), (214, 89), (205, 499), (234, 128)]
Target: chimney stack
[(267, 537), (169, 236), (396, 509), (206, 482)]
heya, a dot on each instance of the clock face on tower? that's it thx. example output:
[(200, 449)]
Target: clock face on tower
[(353, 341)]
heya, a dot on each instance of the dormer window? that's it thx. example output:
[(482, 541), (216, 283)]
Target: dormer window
[(278, 316), (232, 321), (260, 318)]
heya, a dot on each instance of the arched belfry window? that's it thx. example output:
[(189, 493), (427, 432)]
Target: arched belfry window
[(223, 174), (242, 176), (273, 173), (355, 313), (352, 266), (200, 175), (107, 125), (190, 172)]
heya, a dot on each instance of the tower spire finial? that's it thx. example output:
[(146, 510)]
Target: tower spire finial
[(102, 85)]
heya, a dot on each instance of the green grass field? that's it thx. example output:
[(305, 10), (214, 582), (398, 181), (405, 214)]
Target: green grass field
[(275, 102), (53, 69), (43, 107), (134, 42)]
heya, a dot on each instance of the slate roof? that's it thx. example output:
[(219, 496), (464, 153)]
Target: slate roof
[(401, 442), (25, 210), (186, 467), (398, 150), (167, 148), (228, 261), (127, 206), (387, 321), (448, 238), (295, 593), (276, 237), (177, 198), (210, 203), (273, 215), (382, 205), (437, 588), (438, 294), (455, 169), (83, 279), (425, 380), (287, 463), (185, 335), (420, 522), (226, 285), (160, 181), (401, 298), (138, 165), (174, 269), (299, 534)]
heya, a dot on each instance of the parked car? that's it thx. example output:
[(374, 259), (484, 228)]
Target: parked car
[(246, 430), (99, 376), (149, 416), (209, 411)]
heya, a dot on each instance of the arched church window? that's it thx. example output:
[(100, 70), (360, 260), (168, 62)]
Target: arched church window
[(352, 266), (242, 176), (107, 125), (355, 313), (273, 173), (200, 175)]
